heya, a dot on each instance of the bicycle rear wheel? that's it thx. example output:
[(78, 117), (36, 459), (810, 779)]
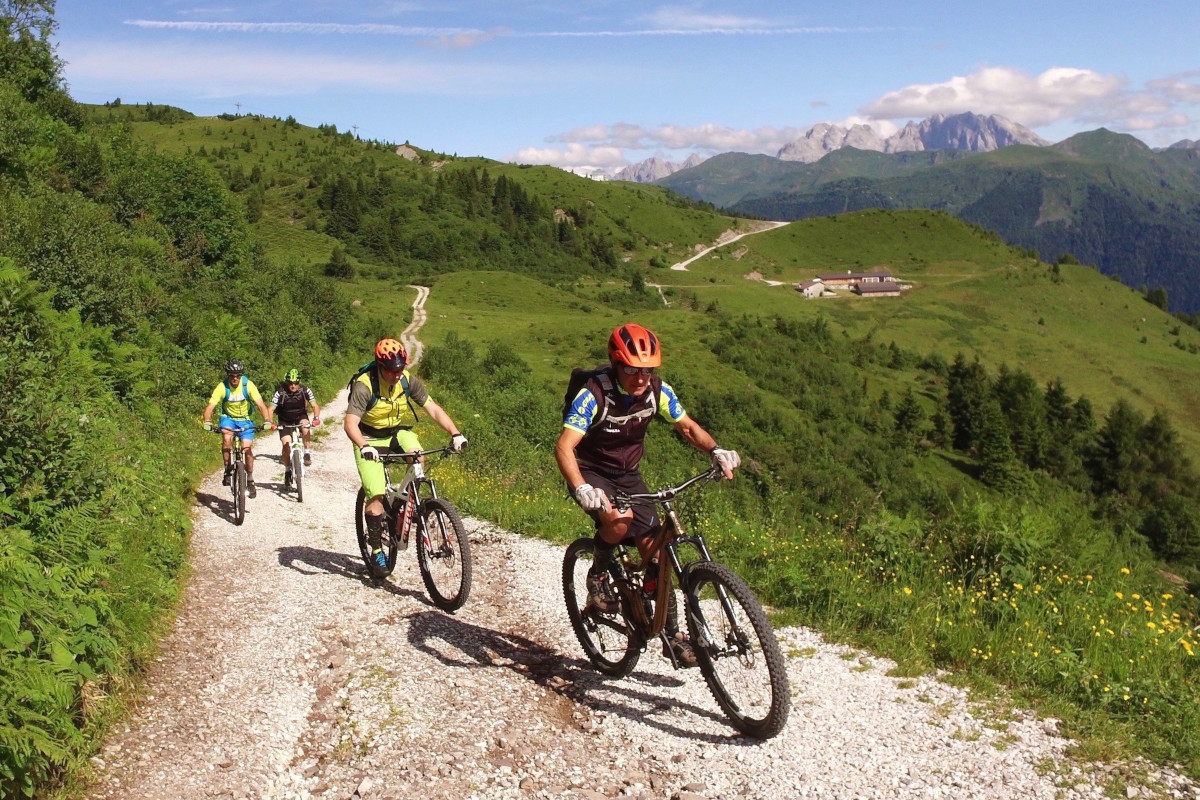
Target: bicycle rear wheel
[(239, 493), (609, 640), (737, 650), (298, 473), (444, 554), (360, 528)]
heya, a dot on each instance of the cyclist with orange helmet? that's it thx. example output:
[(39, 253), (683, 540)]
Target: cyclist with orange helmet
[(380, 415), (601, 446)]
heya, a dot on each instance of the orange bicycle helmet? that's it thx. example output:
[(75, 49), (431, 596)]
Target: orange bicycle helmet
[(390, 353), (634, 345)]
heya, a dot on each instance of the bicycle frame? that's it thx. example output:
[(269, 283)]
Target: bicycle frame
[(415, 474), (668, 539)]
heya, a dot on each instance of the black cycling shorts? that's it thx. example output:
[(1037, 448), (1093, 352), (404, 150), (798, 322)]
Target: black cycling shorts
[(645, 514)]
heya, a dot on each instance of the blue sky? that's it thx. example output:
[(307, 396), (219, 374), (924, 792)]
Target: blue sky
[(602, 83)]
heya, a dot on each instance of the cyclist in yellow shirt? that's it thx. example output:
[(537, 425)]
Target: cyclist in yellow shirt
[(234, 395), (380, 414)]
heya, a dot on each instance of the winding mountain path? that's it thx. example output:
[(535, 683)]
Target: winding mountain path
[(728, 237), (408, 338), (290, 674)]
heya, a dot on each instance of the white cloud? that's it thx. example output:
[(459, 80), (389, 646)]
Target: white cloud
[(716, 27), (573, 155), (708, 137), (1058, 94), (302, 28), (679, 18), (227, 71)]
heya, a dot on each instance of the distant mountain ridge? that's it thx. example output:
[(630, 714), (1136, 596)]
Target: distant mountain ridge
[(655, 168), (967, 131)]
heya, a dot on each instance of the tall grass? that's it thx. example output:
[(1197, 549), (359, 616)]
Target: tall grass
[(1027, 593)]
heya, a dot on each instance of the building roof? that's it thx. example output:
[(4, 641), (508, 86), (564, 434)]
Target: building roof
[(854, 276), (882, 286)]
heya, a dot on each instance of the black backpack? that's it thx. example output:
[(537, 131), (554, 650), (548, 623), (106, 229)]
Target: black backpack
[(370, 367), (579, 379)]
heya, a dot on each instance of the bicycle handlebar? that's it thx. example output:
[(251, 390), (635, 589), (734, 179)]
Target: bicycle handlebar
[(262, 426), (392, 458), (623, 501)]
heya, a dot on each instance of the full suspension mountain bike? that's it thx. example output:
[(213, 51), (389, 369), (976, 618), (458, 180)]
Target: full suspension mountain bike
[(238, 478), (412, 508), (734, 642)]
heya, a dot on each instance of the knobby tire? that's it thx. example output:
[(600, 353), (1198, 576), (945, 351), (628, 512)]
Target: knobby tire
[(239, 493), (609, 640), (739, 656), (445, 563), (389, 539), (298, 474)]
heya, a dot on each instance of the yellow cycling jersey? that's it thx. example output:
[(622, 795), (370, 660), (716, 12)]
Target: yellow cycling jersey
[(391, 410), (233, 401)]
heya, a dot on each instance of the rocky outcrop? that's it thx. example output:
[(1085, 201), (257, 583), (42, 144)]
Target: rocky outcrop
[(965, 131), (825, 137), (655, 168)]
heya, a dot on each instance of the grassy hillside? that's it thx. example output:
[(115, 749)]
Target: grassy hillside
[(290, 167), (973, 294)]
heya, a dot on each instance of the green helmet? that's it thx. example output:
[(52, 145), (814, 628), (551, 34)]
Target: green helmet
[(293, 376)]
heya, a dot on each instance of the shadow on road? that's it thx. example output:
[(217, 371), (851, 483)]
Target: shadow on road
[(312, 561), (221, 505), (461, 644)]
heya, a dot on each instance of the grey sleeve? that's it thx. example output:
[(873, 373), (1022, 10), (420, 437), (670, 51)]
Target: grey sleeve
[(417, 391), (360, 398)]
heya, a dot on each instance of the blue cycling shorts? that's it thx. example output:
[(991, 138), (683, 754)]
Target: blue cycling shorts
[(244, 428)]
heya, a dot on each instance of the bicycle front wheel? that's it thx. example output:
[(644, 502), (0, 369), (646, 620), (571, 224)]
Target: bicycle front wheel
[(298, 473), (239, 494), (444, 555), (609, 640), (737, 650), (364, 546)]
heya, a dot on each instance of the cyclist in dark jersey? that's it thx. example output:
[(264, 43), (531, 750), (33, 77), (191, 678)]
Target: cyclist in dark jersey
[(601, 446), (291, 402)]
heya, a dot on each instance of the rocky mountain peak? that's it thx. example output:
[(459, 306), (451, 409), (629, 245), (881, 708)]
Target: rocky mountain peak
[(966, 131), (654, 168)]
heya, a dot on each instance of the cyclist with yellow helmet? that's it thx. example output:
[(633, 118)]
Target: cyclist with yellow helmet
[(380, 415), (234, 395), (601, 446)]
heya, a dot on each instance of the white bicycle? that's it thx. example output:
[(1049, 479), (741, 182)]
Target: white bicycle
[(297, 455)]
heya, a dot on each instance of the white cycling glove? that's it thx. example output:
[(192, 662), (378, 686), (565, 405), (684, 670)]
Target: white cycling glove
[(369, 453), (726, 459), (458, 443), (590, 498)]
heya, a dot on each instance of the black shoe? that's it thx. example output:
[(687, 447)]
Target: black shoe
[(225, 479), (681, 647), (287, 479), (250, 490), (379, 564), (307, 460)]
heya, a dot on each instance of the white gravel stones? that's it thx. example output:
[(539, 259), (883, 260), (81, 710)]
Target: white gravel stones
[(290, 675)]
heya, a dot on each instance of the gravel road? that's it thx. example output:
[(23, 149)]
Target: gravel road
[(288, 674)]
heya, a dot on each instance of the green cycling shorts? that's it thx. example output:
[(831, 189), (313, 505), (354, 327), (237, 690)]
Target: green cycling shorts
[(371, 472)]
